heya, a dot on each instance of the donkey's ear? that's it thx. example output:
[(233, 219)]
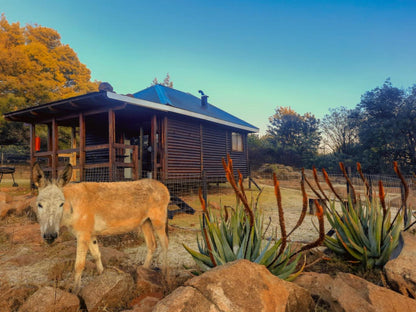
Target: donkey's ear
[(38, 176), (65, 176)]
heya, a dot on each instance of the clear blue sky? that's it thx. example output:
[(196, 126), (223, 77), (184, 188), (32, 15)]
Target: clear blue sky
[(248, 56)]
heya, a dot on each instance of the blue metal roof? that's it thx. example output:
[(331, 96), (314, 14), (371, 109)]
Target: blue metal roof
[(172, 97)]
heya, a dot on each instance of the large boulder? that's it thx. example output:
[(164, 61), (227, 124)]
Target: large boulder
[(349, 293), (110, 290), (401, 271), (237, 286), (49, 299)]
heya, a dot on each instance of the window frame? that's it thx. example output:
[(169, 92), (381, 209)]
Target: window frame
[(237, 143)]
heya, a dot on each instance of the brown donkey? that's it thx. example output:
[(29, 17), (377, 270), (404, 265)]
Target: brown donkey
[(90, 209)]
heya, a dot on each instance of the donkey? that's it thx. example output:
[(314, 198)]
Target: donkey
[(90, 209)]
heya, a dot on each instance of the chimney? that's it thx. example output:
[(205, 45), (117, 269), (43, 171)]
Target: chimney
[(204, 99)]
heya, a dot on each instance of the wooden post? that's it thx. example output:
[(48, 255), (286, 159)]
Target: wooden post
[(32, 144), (111, 136), (50, 144), (164, 148), (201, 146), (141, 153), (135, 162), (81, 147), (54, 149), (154, 146)]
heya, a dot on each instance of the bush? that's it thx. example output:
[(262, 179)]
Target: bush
[(238, 235), (365, 231)]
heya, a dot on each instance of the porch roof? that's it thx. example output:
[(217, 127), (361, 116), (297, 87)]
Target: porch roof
[(156, 97)]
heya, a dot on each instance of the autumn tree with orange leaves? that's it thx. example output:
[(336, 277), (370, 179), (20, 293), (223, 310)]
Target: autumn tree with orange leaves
[(35, 68)]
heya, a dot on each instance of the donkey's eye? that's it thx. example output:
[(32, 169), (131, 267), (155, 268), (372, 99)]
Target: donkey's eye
[(40, 206), (61, 205)]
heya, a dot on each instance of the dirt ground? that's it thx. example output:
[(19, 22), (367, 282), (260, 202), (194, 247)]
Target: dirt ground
[(26, 260)]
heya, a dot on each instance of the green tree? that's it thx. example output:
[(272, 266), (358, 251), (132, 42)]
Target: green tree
[(382, 120), (35, 67), (296, 137)]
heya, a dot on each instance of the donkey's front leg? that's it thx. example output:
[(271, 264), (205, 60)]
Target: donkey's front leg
[(82, 249), (95, 252)]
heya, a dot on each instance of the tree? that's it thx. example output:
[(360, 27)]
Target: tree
[(339, 132), (297, 137), (387, 130), (166, 82), (35, 67)]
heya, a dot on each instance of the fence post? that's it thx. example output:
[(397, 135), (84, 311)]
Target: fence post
[(204, 186)]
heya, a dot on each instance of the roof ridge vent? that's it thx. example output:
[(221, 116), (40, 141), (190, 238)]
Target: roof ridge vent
[(204, 99)]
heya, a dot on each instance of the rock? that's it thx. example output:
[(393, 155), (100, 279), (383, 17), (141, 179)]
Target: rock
[(237, 286), (148, 281), (401, 271), (12, 298), (146, 302), (185, 299), (349, 293), (49, 299), (110, 290), (111, 256)]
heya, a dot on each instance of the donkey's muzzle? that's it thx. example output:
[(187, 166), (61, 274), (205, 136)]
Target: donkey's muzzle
[(50, 237)]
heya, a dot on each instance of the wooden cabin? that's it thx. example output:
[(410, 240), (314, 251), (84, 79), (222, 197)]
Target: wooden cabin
[(158, 132)]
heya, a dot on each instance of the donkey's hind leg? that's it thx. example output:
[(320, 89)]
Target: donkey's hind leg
[(150, 242), (161, 231), (95, 252)]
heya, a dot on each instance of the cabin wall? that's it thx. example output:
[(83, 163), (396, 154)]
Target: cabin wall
[(214, 149), (183, 148), (193, 146)]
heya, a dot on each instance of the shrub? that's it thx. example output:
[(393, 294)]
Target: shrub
[(239, 235), (364, 230)]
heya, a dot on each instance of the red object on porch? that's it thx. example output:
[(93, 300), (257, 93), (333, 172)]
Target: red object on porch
[(37, 144)]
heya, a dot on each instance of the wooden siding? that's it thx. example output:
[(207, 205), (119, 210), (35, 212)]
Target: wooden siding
[(183, 148), (214, 148)]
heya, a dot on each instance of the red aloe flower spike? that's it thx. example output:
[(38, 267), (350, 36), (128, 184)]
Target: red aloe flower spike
[(321, 238), (382, 196), (312, 188), (315, 175), (281, 215), (202, 200), (330, 185), (240, 194), (240, 182), (367, 186), (406, 187), (304, 204), (344, 171)]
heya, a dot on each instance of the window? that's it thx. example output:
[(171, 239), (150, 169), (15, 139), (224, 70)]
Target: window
[(237, 142)]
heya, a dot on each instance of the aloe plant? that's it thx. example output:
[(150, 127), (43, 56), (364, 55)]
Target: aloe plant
[(364, 230), (238, 235)]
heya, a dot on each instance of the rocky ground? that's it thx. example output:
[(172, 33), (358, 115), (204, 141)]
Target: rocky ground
[(28, 264)]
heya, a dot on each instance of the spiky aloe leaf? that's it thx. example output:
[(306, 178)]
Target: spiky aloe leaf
[(203, 261)]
